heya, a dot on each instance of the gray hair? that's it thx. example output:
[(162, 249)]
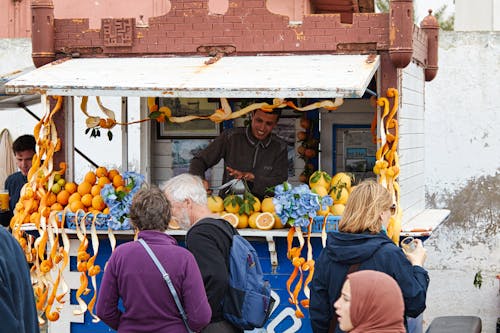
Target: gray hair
[(150, 209), (185, 186)]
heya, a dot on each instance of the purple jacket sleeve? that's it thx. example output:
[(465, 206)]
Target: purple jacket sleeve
[(195, 299), (107, 301)]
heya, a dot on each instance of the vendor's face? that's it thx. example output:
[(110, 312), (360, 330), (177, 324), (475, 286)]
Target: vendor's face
[(263, 124), (343, 308), (23, 160)]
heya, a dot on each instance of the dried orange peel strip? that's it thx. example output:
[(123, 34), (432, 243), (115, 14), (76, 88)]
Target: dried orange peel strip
[(93, 270)]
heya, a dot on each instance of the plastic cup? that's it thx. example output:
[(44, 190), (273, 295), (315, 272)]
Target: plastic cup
[(4, 200), (409, 244)]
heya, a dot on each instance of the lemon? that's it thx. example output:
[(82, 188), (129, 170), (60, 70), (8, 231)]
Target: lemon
[(232, 219), (56, 188), (242, 221), (320, 178), (319, 190), (215, 204), (341, 179), (232, 203), (337, 209), (267, 205), (277, 222), (340, 195), (265, 221), (251, 220)]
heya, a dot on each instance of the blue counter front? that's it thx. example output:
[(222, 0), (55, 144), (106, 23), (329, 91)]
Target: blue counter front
[(270, 245)]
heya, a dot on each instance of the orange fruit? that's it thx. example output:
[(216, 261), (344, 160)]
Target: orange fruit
[(96, 190), (74, 197), (231, 218), (35, 218), (98, 203), (265, 221), (101, 172), (56, 206), (277, 222), (63, 197), (87, 200), (103, 181), (105, 210), (118, 181), (51, 199), (112, 173), (76, 205), (121, 189), (90, 178), (84, 188), (70, 187)]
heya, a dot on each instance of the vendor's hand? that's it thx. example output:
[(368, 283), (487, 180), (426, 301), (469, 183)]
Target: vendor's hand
[(417, 257), (207, 186), (240, 174)]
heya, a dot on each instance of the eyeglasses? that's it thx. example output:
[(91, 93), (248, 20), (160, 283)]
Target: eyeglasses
[(392, 209)]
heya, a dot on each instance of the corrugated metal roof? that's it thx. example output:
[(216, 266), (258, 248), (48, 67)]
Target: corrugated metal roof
[(294, 76)]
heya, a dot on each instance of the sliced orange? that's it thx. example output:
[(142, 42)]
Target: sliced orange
[(231, 218), (265, 221)]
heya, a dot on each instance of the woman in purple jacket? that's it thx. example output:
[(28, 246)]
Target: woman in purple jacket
[(132, 276)]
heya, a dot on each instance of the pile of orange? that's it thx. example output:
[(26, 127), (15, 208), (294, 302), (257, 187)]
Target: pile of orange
[(86, 195)]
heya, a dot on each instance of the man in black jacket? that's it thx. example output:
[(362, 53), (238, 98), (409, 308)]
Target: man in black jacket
[(252, 153), (207, 241)]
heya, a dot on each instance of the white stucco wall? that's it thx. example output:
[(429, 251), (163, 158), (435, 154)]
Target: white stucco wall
[(462, 144), (462, 111)]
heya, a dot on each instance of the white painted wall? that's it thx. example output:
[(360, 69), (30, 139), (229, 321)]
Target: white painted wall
[(462, 118)]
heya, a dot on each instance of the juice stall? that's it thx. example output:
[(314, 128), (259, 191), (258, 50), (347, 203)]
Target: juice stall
[(349, 75)]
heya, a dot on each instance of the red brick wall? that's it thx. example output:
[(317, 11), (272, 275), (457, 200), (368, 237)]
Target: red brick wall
[(247, 25)]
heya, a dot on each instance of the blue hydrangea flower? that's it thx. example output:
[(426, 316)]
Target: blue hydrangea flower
[(119, 202)]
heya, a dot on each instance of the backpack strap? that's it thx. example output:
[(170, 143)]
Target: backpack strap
[(215, 222), (166, 277)]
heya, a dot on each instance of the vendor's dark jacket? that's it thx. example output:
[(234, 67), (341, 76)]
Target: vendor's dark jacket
[(211, 245), (375, 252), (267, 159), (17, 303)]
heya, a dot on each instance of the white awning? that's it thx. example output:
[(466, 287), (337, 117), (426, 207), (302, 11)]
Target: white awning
[(294, 76)]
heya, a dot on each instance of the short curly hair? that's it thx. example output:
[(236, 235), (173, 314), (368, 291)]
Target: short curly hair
[(150, 209)]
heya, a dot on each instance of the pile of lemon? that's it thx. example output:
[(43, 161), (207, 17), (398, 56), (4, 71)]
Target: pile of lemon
[(260, 215), (338, 187)]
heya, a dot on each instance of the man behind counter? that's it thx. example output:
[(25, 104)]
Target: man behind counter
[(24, 149), (252, 153)]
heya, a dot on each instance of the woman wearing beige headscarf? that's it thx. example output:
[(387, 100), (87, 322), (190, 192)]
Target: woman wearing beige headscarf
[(370, 301)]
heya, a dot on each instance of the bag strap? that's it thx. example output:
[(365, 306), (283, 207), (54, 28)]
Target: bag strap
[(166, 277)]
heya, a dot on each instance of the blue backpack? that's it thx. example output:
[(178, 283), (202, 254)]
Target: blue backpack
[(248, 302)]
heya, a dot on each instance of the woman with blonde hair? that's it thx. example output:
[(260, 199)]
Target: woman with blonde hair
[(362, 244)]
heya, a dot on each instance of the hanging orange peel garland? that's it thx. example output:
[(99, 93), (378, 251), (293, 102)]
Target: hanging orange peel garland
[(164, 113), (387, 159), (300, 265), (33, 207)]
